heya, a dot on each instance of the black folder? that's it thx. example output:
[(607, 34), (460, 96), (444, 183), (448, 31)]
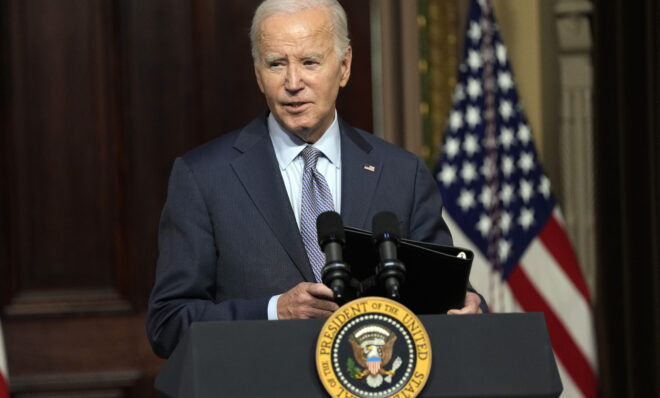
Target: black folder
[(436, 275)]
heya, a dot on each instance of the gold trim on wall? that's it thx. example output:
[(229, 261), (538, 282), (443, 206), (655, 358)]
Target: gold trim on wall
[(438, 23)]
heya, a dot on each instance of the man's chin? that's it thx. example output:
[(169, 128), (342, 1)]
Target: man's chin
[(302, 131)]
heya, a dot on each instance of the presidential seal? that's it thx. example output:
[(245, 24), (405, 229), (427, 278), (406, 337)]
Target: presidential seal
[(373, 347)]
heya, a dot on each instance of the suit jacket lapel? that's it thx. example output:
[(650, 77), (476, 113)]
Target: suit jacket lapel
[(360, 173), (258, 171)]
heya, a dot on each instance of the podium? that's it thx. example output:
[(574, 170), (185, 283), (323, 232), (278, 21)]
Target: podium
[(489, 355)]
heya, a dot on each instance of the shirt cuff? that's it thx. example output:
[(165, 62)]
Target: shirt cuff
[(272, 308)]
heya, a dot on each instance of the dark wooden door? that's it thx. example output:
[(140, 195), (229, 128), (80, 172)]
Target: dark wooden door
[(98, 97)]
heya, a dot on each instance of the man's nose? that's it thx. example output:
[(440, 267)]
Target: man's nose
[(293, 81)]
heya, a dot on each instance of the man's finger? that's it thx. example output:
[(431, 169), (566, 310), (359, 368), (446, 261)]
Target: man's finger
[(472, 302), (320, 290), (464, 310), (325, 305), (319, 313)]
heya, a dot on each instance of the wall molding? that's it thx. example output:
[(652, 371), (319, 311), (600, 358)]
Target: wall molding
[(71, 384), (67, 302), (576, 130)]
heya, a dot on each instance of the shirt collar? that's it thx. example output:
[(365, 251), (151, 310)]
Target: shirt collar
[(288, 146)]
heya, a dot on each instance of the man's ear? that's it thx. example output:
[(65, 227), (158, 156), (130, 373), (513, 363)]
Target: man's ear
[(345, 66), (257, 74)]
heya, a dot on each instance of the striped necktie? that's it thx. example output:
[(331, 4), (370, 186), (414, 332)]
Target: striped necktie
[(316, 199)]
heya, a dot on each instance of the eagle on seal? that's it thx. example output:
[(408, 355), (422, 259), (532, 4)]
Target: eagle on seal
[(373, 358)]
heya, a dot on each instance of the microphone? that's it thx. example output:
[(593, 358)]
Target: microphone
[(335, 273), (390, 272)]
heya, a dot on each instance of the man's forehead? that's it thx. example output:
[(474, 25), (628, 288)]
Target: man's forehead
[(299, 25)]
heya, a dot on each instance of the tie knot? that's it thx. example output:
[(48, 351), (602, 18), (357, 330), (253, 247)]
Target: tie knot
[(310, 156)]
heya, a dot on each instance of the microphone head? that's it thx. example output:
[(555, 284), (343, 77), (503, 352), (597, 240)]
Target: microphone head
[(330, 228), (385, 225)]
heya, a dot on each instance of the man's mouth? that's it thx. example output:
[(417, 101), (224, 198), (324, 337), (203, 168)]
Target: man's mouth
[(295, 106)]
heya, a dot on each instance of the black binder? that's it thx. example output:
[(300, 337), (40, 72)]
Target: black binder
[(436, 278)]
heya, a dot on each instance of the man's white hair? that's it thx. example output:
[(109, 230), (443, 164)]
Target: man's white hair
[(269, 8)]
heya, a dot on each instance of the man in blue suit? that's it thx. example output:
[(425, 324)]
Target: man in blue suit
[(230, 245)]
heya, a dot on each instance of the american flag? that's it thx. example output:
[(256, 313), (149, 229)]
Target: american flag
[(4, 388), (498, 202)]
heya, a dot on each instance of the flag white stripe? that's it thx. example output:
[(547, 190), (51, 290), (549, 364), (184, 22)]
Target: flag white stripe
[(3, 359), (570, 389), (559, 216), (561, 295)]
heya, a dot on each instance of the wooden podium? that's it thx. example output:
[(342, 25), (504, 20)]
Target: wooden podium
[(490, 355)]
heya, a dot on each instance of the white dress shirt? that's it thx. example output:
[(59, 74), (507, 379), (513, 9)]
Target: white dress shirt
[(288, 148)]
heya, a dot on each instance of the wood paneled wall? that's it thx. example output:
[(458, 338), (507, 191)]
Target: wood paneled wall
[(98, 98)]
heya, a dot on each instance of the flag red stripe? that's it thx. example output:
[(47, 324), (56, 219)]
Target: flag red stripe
[(571, 357), (556, 242), (4, 389)]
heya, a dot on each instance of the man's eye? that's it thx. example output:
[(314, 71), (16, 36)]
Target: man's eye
[(310, 63), (275, 64)]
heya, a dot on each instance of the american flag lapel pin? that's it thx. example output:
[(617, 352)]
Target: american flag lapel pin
[(369, 167)]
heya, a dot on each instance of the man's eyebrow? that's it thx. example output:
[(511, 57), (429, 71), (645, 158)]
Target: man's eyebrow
[(312, 56), (273, 58)]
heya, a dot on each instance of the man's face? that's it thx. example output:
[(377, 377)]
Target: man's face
[(299, 71)]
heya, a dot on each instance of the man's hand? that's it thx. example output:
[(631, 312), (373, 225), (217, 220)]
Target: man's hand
[(472, 301), (306, 300)]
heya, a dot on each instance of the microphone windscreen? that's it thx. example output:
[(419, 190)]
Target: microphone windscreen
[(385, 223), (330, 227)]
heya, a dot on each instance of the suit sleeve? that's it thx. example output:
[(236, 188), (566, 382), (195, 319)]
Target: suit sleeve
[(185, 286), (426, 223)]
